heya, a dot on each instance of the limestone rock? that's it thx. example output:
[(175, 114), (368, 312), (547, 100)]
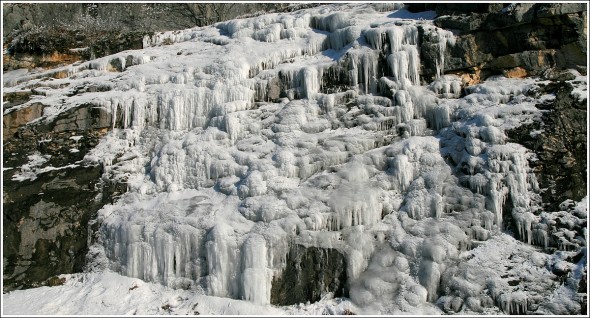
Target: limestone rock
[(45, 224), (18, 118), (513, 14), (499, 38), (463, 22), (533, 62), (46, 214), (517, 72), (468, 8)]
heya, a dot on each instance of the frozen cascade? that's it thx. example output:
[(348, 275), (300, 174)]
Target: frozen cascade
[(403, 171), (257, 279), (395, 36), (314, 128), (445, 38), (404, 66), (514, 303), (222, 260), (152, 253)]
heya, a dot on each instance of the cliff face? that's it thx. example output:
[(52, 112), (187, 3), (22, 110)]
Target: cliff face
[(49, 201), (51, 193), (559, 141), (515, 40)]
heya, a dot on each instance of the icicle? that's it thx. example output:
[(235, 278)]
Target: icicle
[(444, 38), (447, 86), (497, 199), (311, 81), (360, 208), (429, 277), (398, 62), (222, 258), (286, 161), (375, 38), (396, 37), (524, 221), (515, 303), (331, 22), (403, 99), (437, 205), (441, 115), (403, 171), (364, 70), (413, 64), (478, 183), (417, 127), (540, 236), (151, 253), (256, 277), (342, 37)]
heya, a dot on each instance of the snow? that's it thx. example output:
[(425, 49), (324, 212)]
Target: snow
[(29, 170), (108, 293), (224, 174), (9, 78), (580, 84)]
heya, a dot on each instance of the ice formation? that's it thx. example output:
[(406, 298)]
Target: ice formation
[(313, 128)]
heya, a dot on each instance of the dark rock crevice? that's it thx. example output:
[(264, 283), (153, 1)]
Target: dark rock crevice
[(310, 274)]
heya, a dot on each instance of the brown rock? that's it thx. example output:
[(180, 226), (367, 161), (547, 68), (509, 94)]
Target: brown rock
[(20, 117), (470, 77), (533, 62), (517, 72), (48, 61)]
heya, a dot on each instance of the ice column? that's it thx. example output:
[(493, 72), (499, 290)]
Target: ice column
[(222, 257), (256, 277), (403, 171), (152, 253)]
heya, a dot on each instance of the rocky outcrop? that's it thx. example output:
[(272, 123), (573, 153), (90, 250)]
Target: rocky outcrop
[(310, 274), (67, 47), (49, 193), (559, 142), (46, 234), (30, 61), (517, 41), (525, 39)]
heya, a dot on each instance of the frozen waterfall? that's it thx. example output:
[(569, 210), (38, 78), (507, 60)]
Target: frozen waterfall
[(314, 129), (291, 127)]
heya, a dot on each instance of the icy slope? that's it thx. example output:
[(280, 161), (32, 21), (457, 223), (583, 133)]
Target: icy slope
[(239, 141)]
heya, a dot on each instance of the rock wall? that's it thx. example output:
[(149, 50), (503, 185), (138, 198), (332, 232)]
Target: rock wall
[(49, 193), (515, 40), (559, 141)]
